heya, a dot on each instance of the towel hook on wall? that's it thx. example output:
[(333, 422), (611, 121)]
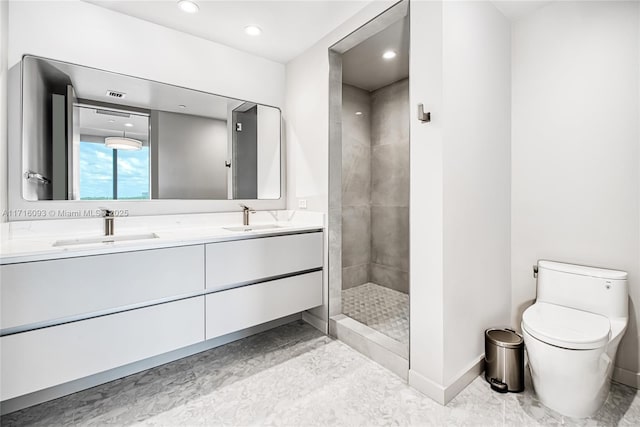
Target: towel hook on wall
[(422, 116)]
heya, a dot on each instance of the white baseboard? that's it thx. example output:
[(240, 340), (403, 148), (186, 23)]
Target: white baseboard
[(464, 378), (444, 394), (626, 377), (316, 322), (429, 388)]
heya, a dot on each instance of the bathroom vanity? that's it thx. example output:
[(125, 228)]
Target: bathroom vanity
[(80, 306), (72, 312)]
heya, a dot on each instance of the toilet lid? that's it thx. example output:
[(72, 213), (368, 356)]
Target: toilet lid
[(566, 327)]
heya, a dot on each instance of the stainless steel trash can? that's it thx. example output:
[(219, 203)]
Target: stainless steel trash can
[(504, 360)]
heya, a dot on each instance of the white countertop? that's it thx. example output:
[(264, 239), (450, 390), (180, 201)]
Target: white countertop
[(34, 241)]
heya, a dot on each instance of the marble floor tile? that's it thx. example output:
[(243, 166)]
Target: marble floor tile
[(295, 376)]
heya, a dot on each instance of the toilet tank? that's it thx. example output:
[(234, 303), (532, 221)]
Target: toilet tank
[(591, 289)]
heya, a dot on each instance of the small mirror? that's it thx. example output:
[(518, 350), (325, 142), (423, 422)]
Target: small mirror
[(90, 134)]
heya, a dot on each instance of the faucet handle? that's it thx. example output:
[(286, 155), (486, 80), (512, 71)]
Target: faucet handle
[(247, 208)]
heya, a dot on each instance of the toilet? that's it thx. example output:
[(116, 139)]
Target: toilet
[(572, 333)]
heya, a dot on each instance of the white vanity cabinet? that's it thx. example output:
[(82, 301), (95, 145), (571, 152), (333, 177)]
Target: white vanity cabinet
[(271, 277), (67, 319), (88, 305), (45, 291), (247, 306), (43, 358), (230, 264)]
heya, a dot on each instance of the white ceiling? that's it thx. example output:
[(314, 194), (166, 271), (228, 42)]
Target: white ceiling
[(516, 9), (288, 27), (363, 65), (93, 123)]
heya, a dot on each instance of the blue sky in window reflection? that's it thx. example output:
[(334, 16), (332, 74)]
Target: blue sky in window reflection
[(96, 173)]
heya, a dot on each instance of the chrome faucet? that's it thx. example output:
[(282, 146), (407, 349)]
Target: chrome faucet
[(107, 214), (245, 213)]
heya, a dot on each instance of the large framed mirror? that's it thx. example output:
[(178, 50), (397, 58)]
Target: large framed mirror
[(93, 135)]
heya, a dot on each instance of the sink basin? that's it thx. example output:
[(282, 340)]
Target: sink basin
[(105, 239), (253, 227)]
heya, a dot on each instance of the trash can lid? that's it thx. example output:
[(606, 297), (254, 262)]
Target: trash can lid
[(504, 338)]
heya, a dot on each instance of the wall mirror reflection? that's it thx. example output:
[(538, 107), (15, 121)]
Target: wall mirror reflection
[(90, 134)]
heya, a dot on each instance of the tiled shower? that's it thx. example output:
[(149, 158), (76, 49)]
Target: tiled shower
[(375, 207)]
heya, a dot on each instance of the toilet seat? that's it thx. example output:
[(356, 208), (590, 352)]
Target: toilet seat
[(566, 327)]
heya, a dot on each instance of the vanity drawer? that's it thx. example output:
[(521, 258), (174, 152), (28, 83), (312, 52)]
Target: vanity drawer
[(46, 357), (235, 309), (241, 261), (47, 290)]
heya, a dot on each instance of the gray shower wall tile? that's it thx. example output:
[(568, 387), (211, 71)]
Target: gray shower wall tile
[(355, 275), (390, 114), (350, 149), (390, 277), (356, 229), (390, 175), (356, 184), (390, 236), (375, 186), (356, 126), (356, 147)]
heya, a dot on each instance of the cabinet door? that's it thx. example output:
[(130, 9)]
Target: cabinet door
[(46, 290), (237, 262), (35, 360), (235, 309)]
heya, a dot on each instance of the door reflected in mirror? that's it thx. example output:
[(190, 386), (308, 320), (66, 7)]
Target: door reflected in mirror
[(97, 135)]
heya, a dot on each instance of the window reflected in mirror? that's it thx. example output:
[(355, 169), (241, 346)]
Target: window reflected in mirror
[(106, 173)]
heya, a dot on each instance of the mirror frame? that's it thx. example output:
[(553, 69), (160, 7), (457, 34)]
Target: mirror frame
[(20, 209)]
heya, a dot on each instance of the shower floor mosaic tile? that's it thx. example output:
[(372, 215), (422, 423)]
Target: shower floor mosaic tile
[(380, 308), (296, 376)]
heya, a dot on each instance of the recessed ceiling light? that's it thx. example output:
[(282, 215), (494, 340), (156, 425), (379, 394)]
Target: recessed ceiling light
[(182, 106), (188, 6), (252, 30), (129, 125), (111, 121), (358, 113), (390, 54)]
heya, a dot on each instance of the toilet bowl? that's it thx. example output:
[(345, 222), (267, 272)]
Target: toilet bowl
[(572, 333)]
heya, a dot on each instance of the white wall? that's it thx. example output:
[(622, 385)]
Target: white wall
[(4, 30), (86, 34), (477, 134), (307, 128), (460, 192), (575, 116), (426, 203)]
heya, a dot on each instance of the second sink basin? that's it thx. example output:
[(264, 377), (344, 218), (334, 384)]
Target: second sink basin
[(253, 227), (105, 239)]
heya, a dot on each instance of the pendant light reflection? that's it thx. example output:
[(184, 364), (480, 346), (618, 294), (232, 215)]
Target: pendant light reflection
[(123, 143)]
